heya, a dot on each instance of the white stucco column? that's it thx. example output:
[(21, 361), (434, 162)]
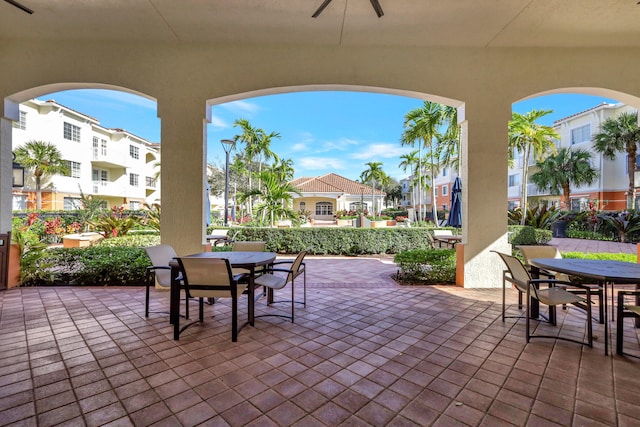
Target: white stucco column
[(183, 153), (7, 115), (484, 191)]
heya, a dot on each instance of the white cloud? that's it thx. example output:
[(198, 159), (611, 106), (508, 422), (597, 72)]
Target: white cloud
[(383, 150), (219, 123), (320, 163), (241, 107), (301, 146), (342, 144)]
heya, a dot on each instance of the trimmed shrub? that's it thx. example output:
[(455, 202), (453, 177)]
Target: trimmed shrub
[(527, 235), (338, 241), (432, 266), (92, 266)]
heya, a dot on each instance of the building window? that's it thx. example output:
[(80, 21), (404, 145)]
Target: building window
[(151, 182), (581, 134), (74, 169), (626, 163), (99, 175), (133, 179), (134, 205), (71, 132), (514, 180), (513, 204), (134, 152), (435, 191), (72, 203), (19, 202), (445, 172), (324, 208), (445, 190), (22, 122)]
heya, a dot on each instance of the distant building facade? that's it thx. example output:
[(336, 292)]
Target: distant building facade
[(608, 192), (112, 164)]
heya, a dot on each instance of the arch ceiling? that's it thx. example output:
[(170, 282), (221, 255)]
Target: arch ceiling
[(459, 23)]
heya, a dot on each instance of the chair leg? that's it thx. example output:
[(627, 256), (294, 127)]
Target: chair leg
[(293, 300), (589, 325), (201, 309), (600, 307), (619, 324), (528, 316), (504, 296), (146, 302)]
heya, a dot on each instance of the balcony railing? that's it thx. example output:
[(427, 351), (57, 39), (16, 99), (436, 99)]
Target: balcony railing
[(151, 182)]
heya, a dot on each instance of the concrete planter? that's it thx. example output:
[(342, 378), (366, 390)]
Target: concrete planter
[(379, 224), (344, 222), (13, 279)]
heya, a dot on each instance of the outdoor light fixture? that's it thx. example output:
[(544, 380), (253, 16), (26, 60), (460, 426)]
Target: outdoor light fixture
[(227, 145), (18, 173)]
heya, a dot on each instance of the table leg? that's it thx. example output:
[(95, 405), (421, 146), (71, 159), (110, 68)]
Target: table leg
[(252, 301), (637, 303), (605, 298)]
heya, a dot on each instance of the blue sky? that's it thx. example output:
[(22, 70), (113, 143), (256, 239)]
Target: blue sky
[(321, 132)]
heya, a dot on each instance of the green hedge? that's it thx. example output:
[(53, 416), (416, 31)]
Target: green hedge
[(433, 266), (338, 241), (96, 265), (527, 235)]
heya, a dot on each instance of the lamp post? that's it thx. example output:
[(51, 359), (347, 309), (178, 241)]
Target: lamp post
[(227, 145), (18, 173)]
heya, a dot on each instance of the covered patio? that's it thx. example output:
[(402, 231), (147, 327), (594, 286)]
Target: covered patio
[(364, 352)]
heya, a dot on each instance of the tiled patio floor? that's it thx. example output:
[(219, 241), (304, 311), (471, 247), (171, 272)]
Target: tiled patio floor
[(364, 352)]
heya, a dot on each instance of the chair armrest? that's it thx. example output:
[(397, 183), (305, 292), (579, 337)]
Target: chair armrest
[(158, 267)]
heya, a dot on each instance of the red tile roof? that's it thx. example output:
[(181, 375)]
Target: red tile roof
[(332, 183)]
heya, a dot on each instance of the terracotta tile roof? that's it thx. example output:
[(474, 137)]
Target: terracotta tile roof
[(332, 183)]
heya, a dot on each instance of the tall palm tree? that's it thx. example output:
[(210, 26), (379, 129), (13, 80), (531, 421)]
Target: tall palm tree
[(283, 168), (43, 159), (411, 161), (372, 175), (621, 134), (450, 141), (275, 196), (422, 125), (565, 169), (250, 137), (530, 138)]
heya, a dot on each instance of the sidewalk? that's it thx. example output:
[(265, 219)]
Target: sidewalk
[(593, 246)]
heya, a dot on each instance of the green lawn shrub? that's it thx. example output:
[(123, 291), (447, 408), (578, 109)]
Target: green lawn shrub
[(606, 256), (427, 266), (92, 266), (338, 240), (527, 235)]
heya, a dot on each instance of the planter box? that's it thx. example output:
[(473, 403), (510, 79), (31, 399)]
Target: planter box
[(391, 223), (344, 222), (82, 240), (13, 279), (379, 224)]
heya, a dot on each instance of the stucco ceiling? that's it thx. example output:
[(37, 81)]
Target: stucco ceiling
[(473, 23)]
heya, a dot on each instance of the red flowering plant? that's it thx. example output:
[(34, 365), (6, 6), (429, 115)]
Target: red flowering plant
[(54, 230), (115, 223)]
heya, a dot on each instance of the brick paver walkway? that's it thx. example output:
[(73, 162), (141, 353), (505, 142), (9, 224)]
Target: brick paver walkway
[(364, 352)]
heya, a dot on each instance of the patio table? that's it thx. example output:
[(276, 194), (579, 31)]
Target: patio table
[(605, 272), (450, 241), (247, 260)]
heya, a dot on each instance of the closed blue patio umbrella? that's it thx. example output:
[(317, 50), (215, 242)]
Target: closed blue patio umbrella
[(455, 214)]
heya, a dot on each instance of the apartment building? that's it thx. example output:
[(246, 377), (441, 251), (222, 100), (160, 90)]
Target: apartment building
[(576, 131), (411, 199), (113, 164)]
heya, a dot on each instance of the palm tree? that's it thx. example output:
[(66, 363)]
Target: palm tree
[(411, 161), (250, 137), (275, 196), (565, 169), (529, 137), (450, 141), (44, 160), (371, 175), (422, 124), (621, 134), (283, 168)]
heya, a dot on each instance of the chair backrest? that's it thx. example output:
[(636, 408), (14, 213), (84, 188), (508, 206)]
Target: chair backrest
[(437, 232), (539, 251), (518, 273), (297, 267), (206, 277), (252, 246), (160, 256)]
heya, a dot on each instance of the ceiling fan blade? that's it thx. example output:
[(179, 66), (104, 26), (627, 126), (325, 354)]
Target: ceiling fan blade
[(324, 4), (377, 8), (20, 6)]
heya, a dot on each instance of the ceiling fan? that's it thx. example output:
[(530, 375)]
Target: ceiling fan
[(374, 3), (20, 6)]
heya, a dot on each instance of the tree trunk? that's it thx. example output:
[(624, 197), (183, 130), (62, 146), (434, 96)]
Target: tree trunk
[(525, 176), (631, 167), (38, 194), (566, 189)]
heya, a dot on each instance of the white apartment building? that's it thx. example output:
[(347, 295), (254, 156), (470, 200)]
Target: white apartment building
[(576, 131), (112, 164)]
